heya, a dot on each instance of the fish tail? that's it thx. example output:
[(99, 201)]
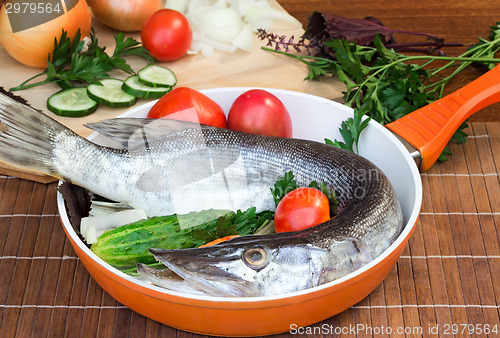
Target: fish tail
[(27, 137)]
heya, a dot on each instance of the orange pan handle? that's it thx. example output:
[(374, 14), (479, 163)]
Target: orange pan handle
[(430, 128)]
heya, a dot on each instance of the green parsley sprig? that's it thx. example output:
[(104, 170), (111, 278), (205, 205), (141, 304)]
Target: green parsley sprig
[(240, 223), (80, 62)]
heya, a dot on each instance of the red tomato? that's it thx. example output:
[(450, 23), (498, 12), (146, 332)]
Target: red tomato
[(300, 209), (167, 35), (182, 103), (259, 112)]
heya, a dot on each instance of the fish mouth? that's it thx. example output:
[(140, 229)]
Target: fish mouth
[(167, 279), (205, 270)]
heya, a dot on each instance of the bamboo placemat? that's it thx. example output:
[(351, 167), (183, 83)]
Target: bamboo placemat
[(446, 280)]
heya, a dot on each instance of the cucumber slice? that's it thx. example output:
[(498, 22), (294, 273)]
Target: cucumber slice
[(110, 93), (134, 86), (157, 76), (72, 102)]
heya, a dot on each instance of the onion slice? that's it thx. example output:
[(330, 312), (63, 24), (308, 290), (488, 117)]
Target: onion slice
[(257, 15), (227, 25), (244, 40), (94, 226)]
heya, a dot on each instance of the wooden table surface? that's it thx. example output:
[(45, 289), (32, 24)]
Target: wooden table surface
[(445, 281)]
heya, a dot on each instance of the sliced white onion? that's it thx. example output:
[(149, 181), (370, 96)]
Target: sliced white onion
[(91, 235), (177, 5), (201, 47), (103, 208), (227, 24), (260, 14), (244, 40), (92, 227), (241, 6), (221, 24)]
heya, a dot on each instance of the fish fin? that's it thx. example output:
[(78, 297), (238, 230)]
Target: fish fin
[(347, 254), (133, 133), (17, 98), (27, 137), (359, 253)]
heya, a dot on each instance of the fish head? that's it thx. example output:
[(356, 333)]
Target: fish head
[(248, 267)]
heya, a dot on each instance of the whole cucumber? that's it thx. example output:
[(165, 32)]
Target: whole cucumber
[(125, 246)]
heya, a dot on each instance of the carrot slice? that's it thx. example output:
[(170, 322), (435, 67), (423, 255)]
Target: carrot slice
[(219, 240)]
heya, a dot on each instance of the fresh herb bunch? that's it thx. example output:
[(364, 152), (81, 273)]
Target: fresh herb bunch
[(84, 61), (381, 83)]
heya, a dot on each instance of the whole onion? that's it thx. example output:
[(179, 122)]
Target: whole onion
[(124, 15)]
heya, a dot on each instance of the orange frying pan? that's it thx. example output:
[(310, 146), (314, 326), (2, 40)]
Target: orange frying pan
[(427, 130)]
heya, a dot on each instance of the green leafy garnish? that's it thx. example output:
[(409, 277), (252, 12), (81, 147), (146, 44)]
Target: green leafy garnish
[(221, 228), (381, 83), (248, 221), (283, 186), (240, 223), (350, 130), (79, 62)]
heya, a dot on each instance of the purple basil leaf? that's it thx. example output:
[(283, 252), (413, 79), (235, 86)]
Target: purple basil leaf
[(77, 201), (361, 31)]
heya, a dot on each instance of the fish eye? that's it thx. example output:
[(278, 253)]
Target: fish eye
[(255, 258)]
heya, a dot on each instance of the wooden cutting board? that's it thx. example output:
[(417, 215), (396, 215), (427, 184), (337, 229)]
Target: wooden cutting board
[(223, 69)]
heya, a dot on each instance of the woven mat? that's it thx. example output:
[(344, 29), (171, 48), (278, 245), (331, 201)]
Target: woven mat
[(446, 281)]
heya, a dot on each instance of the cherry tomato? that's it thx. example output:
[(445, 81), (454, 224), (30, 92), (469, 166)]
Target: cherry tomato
[(300, 209), (259, 112), (187, 104), (167, 35)]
